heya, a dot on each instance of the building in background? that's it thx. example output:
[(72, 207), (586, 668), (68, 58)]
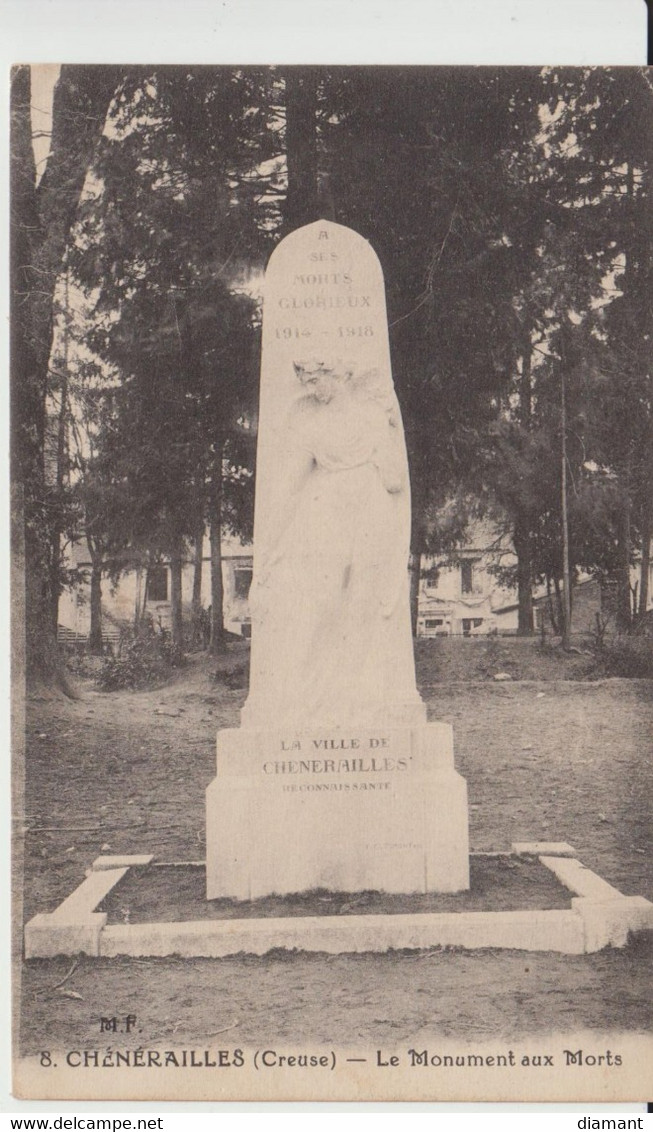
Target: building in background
[(138, 592), (459, 596)]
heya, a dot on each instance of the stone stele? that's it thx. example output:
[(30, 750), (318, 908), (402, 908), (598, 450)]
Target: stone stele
[(334, 779)]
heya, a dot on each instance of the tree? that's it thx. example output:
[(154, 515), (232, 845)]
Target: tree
[(164, 244), (99, 494), (302, 199), (606, 112), (503, 205), (432, 166), (42, 216)]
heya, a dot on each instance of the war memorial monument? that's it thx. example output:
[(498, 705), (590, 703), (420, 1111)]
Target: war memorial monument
[(334, 779)]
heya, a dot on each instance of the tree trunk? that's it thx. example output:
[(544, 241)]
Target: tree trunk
[(644, 574), (552, 616), (176, 616), (645, 463), (95, 635), (635, 246), (522, 538), (137, 599), (196, 605), (418, 479), (60, 475), (146, 594), (415, 571), (624, 553), (216, 641), (566, 571), (523, 549), (42, 662), (560, 613), (326, 205), (41, 220), (302, 197), (526, 380), (28, 395), (197, 566)]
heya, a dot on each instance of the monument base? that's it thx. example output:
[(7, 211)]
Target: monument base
[(347, 812), (599, 916)]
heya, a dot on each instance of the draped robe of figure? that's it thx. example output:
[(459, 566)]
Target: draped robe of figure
[(331, 634)]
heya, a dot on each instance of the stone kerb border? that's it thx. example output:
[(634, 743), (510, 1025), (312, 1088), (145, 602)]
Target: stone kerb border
[(600, 916)]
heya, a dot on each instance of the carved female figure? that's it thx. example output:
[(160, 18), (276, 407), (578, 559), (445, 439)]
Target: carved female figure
[(331, 639)]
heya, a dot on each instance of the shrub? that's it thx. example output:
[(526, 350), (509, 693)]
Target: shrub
[(236, 677), (147, 660), (627, 656)]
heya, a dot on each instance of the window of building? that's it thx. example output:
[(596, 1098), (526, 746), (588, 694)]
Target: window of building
[(157, 583), (467, 576), (242, 582), (435, 627), (470, 623)]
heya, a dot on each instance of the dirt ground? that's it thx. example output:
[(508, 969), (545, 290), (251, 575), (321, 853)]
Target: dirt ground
[(178, 892), (545, 759)]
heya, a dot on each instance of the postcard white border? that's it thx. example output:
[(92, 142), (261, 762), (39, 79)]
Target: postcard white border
[(429, 32)]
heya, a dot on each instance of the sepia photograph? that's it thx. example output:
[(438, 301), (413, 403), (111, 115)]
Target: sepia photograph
[(332, 589)]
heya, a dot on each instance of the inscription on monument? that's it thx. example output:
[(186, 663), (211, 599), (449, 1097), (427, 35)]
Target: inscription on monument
[(363, 763), (344, 787), (335, 744), (322, 292), (335, 766)]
